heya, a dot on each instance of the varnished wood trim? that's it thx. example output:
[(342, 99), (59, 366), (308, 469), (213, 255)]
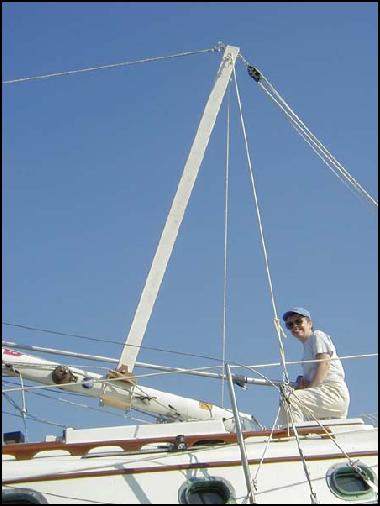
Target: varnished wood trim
[(184, 467), (25, 451)]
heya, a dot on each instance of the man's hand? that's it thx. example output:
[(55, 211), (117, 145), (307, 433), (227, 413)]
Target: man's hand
[(301, 382)]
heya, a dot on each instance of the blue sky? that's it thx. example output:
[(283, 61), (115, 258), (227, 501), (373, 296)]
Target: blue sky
[(91, 163)]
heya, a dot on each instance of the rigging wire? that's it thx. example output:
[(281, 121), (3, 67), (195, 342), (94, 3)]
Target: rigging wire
[(252, 368), (315, 146), (318, 147), (313, 495), (276, 319), (204, 368), (173, 413), (269, 440), (23, 410), (37, 419), (351, 462), (108, 341), (77, 404), (113, 65), (226, 195), (66, 401)]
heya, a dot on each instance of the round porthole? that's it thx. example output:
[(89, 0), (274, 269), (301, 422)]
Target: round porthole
[(22, 496), (352, 484), (208, 490)]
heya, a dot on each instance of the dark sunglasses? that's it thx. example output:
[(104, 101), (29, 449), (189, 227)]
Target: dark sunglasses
[(290, 325)]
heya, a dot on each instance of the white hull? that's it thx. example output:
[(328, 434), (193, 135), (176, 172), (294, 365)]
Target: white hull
[(152, 474)]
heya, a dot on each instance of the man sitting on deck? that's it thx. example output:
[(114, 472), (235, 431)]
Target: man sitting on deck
[(321, 392)]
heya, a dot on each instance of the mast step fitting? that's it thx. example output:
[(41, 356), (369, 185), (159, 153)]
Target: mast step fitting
[(122, 374)]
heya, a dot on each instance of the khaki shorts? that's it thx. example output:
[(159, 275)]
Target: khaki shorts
[(330, 400)]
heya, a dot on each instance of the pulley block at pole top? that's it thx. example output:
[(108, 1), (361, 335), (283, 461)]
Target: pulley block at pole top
[(254, 73)]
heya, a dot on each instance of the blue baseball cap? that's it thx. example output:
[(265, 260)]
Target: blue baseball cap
[(296, 310)]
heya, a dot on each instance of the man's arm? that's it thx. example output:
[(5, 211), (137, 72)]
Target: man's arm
[(322, 368)]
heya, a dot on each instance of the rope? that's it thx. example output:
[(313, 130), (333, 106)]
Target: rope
[(286, 391), (113, 65), (226, 192), (61, 399), (38, 419), (184, 370), (293, 362), (313, 495), (76, 404), (101, 381), (318, 147), (270, 438), (14, 404), (314, 146), (108, 341), (276, 319), (23, 411), (165, 350), (352, 463)]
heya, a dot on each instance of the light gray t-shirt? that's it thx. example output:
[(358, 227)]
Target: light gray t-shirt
[(320, 342)]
